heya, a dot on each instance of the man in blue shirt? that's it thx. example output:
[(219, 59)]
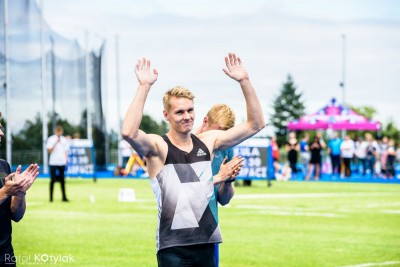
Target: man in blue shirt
[(220, 117), (334, 152)]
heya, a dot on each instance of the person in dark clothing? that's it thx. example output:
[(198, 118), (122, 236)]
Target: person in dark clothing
[(57, 146), (292, 148), (13, 187), (391, 159), (315, 161)]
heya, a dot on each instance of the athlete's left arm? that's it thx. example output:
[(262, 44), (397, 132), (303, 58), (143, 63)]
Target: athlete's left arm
[(255, 117)]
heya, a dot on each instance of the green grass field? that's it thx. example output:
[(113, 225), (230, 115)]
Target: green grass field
[(288, 224)]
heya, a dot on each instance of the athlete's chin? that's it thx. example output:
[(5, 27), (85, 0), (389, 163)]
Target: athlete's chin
[(187, 129)]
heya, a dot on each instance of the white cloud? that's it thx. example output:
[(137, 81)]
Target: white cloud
[(187, 41)]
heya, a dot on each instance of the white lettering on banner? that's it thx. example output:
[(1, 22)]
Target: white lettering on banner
[(259, 172), (255, 152), (247, 151), (84, 169), (255, 161), (80, 158), (78, 151), (83, 160)]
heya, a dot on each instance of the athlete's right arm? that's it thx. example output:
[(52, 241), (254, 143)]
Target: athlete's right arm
[(144, 144)]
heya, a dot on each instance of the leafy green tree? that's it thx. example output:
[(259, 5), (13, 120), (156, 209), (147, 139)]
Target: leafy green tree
[(369, 112), (30, 136), (288, 105), (390, 130), (114, 139), (149, 125), (366, 111)]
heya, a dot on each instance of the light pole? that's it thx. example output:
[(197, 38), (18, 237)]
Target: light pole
[(343, 82)]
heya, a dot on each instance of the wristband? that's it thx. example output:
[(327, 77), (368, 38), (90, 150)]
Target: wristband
[(230, 181)]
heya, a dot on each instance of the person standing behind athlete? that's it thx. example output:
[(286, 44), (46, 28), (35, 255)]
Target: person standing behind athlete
[(220, 117), (57, 147)]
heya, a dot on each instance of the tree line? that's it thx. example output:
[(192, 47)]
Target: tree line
[(287, 105), (30, 136)]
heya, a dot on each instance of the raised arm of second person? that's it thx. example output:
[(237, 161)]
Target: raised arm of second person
[(255, 117), (144, 144)]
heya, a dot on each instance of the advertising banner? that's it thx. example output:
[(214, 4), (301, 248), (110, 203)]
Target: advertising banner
[(81, 159), (256, 153)]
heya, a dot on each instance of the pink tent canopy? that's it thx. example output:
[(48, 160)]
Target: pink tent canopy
[(336, 117)]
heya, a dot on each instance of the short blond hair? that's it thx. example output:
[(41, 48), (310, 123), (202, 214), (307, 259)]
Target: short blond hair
[(222, 115), (177, 91)]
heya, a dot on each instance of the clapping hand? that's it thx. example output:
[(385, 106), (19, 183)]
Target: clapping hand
[(27, 177), (229, 170), (12, 187)]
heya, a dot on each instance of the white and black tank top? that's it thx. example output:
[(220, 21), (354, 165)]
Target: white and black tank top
[(187, 208)]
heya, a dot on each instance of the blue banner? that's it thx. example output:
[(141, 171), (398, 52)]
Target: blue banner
[(81, 158)]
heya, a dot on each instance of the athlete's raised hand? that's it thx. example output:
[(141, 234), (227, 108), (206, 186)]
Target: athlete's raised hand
[(235, 69), (143, 73)]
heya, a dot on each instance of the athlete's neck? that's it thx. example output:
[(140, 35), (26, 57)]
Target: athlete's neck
[(181, 141)]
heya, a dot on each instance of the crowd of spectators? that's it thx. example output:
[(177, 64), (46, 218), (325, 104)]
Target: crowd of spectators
[(364, 156)]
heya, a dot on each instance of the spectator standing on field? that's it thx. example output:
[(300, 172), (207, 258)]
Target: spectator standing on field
[(334, 153), (372, 152), (305, 153), (391, 159), (398, 152), (383, 153), (316, 159), (275, 153), (57, 146), (347, 149), (292, 149), (361, 154)]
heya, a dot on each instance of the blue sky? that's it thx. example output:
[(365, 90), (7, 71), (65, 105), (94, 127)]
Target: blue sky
[(187, 42)]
